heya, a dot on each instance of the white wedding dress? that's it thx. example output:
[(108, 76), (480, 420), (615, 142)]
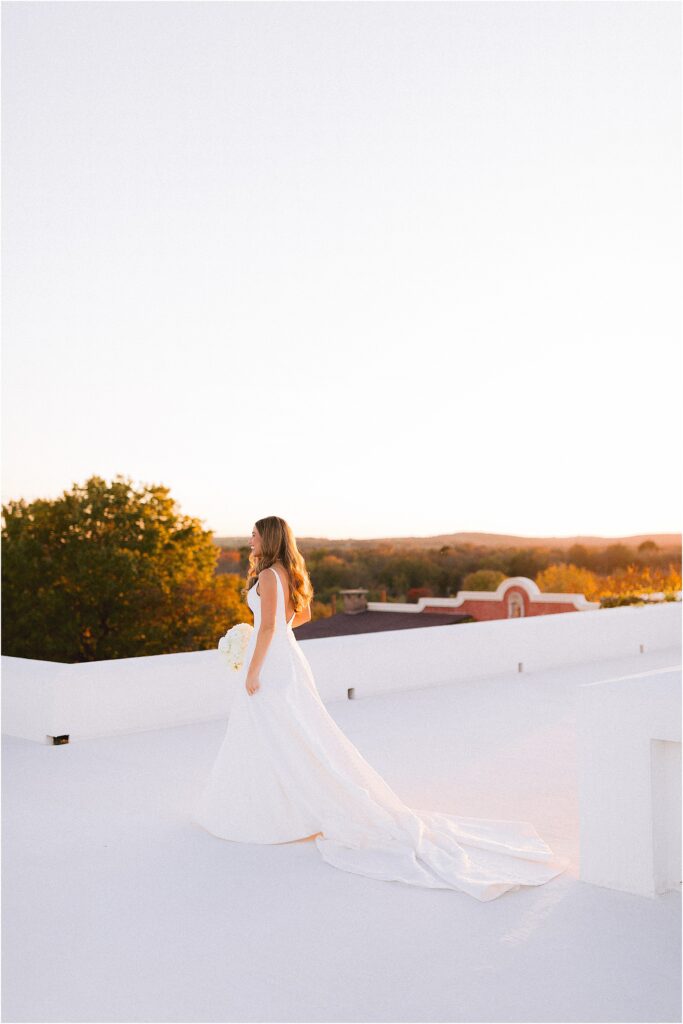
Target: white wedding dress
[(286, 771)]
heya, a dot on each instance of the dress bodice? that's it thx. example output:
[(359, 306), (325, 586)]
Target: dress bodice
[(254, 602)]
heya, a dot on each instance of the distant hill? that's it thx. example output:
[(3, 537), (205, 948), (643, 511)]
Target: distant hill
[(664, 541)]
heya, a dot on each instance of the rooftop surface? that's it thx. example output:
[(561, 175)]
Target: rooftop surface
[(346, 624), (118, 908)]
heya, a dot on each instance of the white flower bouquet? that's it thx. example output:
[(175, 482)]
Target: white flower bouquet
[(234, 644)]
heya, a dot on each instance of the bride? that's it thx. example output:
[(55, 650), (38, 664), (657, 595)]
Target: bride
[(286, 771)]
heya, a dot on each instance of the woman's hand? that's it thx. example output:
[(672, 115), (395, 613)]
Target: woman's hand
[(252, 682)]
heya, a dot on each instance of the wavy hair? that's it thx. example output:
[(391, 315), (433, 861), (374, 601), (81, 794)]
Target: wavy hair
[(278, 544)]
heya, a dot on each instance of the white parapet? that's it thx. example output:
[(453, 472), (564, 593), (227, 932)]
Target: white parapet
[(47, 699), (629, 747)]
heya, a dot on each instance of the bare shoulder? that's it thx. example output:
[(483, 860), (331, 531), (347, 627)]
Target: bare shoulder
[(265, 578), (281, 571)]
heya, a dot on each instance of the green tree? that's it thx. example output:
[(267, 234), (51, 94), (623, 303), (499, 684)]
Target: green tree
[(111, 571), (526, 562), (483, 579)]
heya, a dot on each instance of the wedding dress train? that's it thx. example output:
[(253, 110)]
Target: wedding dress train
[(285, 771)]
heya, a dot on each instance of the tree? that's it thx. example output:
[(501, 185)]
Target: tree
[(229, 560), (635, 580), (525, 562), (578, 554), (111, 571), (560, 578), (615, 556), (483, 579)]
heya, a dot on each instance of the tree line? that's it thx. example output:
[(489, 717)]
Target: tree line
[(117, 571)]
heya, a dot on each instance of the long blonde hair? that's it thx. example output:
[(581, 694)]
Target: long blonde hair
[(279, 545)]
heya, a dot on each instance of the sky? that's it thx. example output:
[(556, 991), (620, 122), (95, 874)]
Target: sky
[(382, 269)]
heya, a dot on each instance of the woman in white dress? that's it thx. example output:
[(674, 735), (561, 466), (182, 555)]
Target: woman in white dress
[(286, 771)]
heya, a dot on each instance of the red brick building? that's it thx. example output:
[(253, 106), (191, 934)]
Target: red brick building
[(515, 597)]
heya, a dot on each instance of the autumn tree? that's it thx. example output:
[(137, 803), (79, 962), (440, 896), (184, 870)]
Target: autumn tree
[(635, 580), (560, 578), (111, 571)]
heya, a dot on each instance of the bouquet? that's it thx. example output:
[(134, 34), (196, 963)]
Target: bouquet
[(234, 644)]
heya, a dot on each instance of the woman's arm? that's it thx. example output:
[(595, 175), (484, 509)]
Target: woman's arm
[(267, 585), (301, 617)]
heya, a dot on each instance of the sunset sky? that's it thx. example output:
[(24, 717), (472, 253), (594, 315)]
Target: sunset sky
[(379, 268)]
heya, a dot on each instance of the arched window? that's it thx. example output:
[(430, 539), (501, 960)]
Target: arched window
[(515, 605)]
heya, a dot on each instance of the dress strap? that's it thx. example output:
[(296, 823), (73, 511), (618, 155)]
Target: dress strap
[(284, 603)]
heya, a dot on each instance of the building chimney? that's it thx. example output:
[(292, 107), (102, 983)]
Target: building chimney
[(355, 601)]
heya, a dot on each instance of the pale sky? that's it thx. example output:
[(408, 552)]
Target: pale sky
[(378, 268)]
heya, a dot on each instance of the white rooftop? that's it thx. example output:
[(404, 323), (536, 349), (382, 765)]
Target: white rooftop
[(118, 908)]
